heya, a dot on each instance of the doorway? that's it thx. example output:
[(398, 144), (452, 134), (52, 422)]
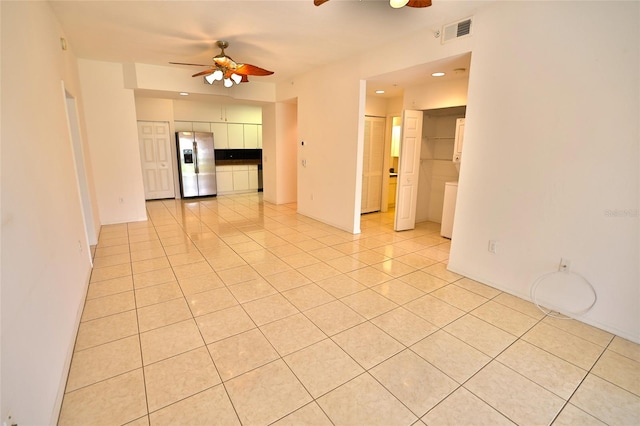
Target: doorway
[(373, 164), (81, 173), (437, 165), (427, 158)]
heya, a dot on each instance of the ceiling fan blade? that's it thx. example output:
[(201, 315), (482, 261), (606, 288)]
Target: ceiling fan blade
[(248, 69), (207, 72), (419, 3), (319, 2), (194, 65)]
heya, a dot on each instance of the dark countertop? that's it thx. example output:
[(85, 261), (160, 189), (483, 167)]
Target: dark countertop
[(238, 162)]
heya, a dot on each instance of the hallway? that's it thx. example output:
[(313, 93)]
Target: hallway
[(231, 310)]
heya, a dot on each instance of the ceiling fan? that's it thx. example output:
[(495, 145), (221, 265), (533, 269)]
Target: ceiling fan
[(393, 3), (226, 69)]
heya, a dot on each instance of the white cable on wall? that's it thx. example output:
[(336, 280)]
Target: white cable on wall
[(536, 284)]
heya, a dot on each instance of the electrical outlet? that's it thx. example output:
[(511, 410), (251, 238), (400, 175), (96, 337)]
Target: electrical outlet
[(493, 247), (565, 265)]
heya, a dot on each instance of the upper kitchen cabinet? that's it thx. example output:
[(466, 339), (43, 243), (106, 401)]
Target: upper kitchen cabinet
[(235, 133), (220, 135), (459, 139), (199, 126), (251, 136), (226, 135)]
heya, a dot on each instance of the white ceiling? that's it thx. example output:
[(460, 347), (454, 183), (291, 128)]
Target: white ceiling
[(288, 37)]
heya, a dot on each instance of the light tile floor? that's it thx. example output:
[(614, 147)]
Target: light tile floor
[(233, 311)]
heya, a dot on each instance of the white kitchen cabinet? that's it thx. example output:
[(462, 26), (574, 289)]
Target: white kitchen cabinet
[(235, 132), (457, 148), (240, 178), (250, 136), (200, 126), (220, 135), (224, 179), (393, 185), (253, 178), (183, 126)]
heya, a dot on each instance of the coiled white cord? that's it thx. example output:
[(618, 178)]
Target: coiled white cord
[(534, 289)]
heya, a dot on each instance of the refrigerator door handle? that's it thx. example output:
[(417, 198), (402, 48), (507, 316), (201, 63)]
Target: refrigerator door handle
[(195, 157)]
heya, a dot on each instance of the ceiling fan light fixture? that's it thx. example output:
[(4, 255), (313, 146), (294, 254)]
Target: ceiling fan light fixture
[(209, 78), (226, 69), (236, 78), (437, 74), (397, 4)]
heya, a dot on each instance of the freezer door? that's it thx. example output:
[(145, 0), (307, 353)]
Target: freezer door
[(187, 164), (206, 166)]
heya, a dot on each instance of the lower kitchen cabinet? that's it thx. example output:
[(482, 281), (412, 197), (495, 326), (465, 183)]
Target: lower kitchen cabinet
[(236, 179), (224, 179)]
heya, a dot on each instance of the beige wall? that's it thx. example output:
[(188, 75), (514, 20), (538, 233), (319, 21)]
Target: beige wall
[(45, 257), (113, 138), (551, 149), (279, 152)]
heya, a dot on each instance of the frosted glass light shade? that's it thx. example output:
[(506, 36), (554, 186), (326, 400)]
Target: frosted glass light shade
[(228, 82), (396, 4), (236, 78)]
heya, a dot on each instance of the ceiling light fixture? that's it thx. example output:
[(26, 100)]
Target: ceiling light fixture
[(226, 69), (437, 74), (184, 94), (397, 4), (380, 92)]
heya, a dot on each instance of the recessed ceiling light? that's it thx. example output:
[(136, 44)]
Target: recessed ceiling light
[(437, 74), (184, 94), (379, 92)]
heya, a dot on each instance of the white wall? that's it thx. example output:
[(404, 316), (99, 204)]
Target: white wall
[(279, 152), (154, 109), (45, 263), (331, 123), (113, 137), (438, 94), (551, 149)]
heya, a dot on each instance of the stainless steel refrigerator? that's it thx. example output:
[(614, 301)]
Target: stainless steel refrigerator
[(197, 164)]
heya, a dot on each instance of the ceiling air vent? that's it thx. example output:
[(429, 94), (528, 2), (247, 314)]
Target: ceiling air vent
[(456, 30)]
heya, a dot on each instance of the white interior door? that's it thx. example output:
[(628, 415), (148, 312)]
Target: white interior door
[(409, 170), (155, 155), (373, 164)]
